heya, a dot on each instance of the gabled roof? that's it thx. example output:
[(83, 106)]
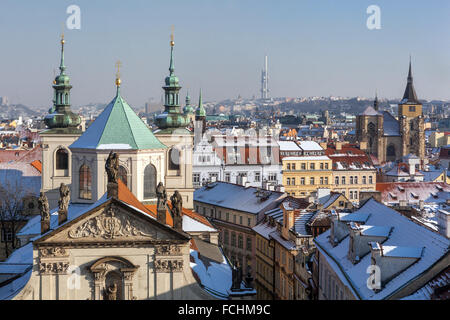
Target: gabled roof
[(370, 111), (118, 127), (237, 197), (405, 235)]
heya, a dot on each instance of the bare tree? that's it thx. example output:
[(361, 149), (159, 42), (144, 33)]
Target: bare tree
[(12, 216)]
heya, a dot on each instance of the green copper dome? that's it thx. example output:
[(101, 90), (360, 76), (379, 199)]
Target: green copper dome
[(188, 109)]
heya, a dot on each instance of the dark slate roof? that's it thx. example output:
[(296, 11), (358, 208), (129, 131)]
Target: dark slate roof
[(391, 127), (410, 94)]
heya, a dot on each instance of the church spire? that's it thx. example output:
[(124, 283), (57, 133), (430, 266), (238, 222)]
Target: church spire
[(61, 117), (200, 112), (62, 67), (375, 102), (172, 44), (172, 117), (410, 94)]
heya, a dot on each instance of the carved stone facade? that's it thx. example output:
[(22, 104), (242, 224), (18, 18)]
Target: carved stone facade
[(112, 252), (168, 265), (108, 225)]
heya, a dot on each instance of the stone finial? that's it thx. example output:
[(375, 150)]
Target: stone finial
[(63, 203), (44, 210)]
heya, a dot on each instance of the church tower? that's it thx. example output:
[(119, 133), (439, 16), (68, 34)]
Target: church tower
[(173, 133), (63, 129), (200, 116), (410, 116)]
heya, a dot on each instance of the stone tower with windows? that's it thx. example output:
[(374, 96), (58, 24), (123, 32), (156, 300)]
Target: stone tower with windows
[(173, 133), (411, 119), (63, 128), (388, 138)]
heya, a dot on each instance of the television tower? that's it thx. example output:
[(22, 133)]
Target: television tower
[(265, 81)]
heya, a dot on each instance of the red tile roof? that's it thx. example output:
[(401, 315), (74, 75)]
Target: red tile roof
[(413, 191), (349, 157)]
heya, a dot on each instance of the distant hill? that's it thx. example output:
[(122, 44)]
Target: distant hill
[(16, 110)]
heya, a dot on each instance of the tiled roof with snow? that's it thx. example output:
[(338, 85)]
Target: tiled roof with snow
[(236, 197), (288, 146), (406, 239), (310, 146), (370, 111), (413, 192)]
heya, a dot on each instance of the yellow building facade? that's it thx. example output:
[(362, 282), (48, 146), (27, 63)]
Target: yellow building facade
[(303, 175)]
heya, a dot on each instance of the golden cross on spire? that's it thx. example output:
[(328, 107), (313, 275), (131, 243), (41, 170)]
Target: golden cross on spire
[(62, 33), (172, 43), (118, 65)]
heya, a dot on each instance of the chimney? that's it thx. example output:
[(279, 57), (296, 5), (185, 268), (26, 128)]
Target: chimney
[(360, 236), (443, 217), (338, 146), (338, 230), (288, 223)]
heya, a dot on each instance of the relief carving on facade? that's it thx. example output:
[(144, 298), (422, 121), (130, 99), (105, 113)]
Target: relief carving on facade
[(108, 225), (169, 249), (53, 267), (168, 265), (53, 252)]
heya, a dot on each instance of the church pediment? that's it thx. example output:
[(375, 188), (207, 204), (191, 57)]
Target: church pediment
[(111, 223)]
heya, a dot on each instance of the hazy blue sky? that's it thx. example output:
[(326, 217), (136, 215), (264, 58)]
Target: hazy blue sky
[(316, 47)]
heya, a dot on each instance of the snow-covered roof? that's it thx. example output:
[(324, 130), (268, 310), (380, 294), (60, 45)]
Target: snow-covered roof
[(406, 239), (216, 278), (192, 225), (310, 146), (413, 192), (288, 146), (236, 197), (370, 111), (264, 229), (329, 199)]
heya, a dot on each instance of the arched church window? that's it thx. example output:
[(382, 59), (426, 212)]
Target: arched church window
[(174, 159), (371, 129), (62, 159), (66, 98), (123, 175), (150, 181), (85, 182), (390, 151)]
